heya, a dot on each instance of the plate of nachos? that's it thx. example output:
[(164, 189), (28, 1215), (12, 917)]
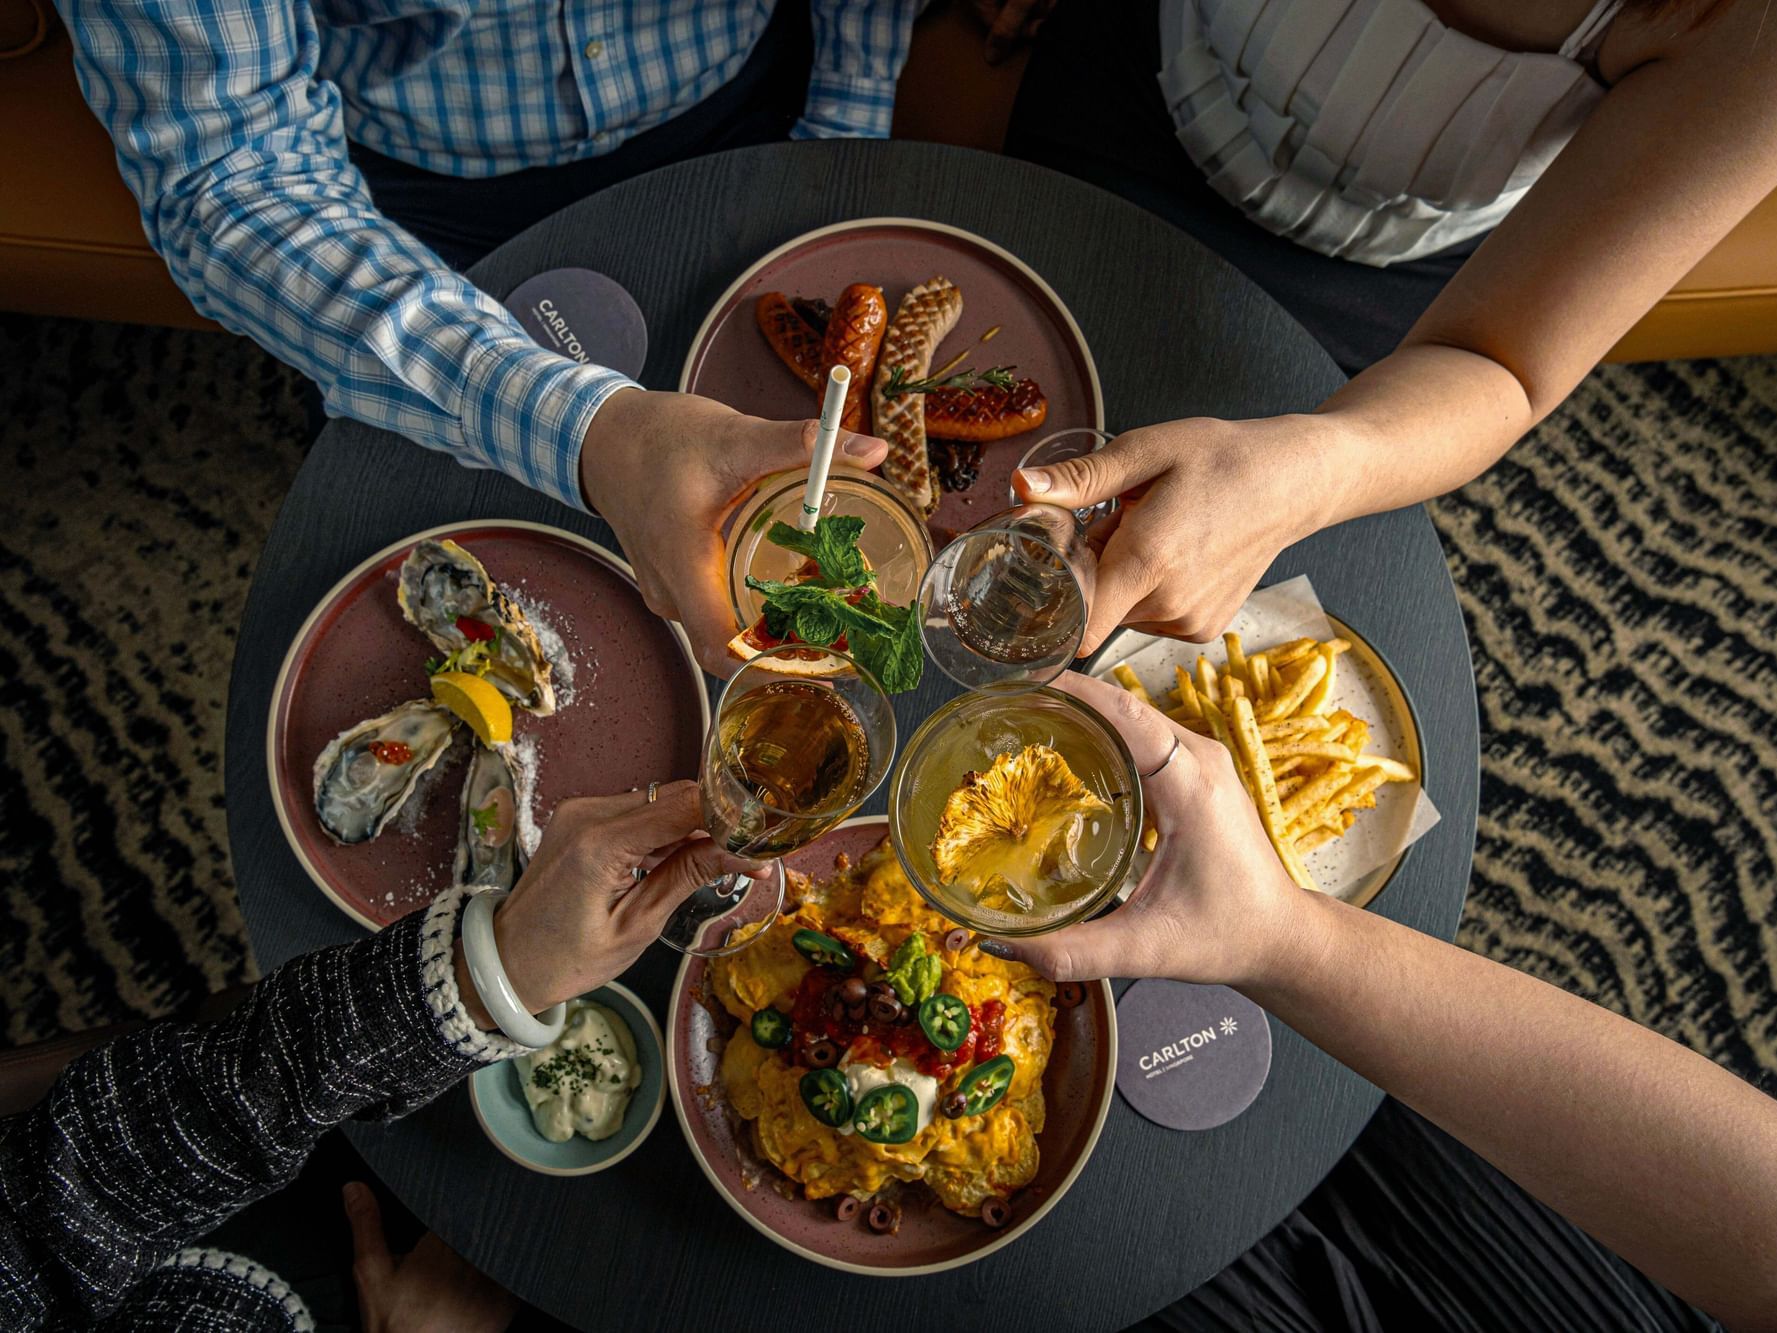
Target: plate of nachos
[(868, 1089)]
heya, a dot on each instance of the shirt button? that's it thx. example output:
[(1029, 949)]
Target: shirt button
[(594, 49)]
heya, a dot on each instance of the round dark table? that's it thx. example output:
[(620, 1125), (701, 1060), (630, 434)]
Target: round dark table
[(1176, 332)]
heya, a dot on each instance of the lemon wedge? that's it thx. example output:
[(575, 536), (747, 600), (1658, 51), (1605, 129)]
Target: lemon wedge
[(477, 702), (1012, 831)]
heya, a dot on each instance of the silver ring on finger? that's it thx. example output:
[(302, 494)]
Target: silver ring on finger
[(1171, 754), (637, 874), (653, 796)]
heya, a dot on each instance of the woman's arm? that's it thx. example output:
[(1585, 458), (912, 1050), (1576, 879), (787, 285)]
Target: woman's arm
[(156, 1137), (1667, 1159), (1678, 152), (1664, 1157)]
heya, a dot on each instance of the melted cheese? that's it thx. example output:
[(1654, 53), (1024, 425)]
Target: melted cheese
[(874, 908)]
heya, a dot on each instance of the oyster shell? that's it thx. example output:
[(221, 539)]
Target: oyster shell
[(357, 790), (442, 584), (488, 850)]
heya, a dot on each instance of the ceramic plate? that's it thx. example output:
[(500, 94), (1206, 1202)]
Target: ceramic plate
[(1077, 1086), (636, 709), (731, 362), (504, 1117), (1368, 688)]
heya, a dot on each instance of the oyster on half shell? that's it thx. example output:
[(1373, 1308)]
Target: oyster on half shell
[(366, 773), (488, 850), (441, 586)]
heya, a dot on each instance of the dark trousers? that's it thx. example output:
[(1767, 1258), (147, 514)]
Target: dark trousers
[(1413, 1231), (1089, 107)]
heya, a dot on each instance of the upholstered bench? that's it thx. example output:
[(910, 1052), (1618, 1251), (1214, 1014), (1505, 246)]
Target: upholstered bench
[(71, 244)]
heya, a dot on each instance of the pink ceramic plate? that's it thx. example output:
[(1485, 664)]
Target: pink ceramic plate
[(731, 362), (1077, 1086), (637, 710)]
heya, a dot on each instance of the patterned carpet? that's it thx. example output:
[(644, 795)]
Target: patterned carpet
[(1618, 572)]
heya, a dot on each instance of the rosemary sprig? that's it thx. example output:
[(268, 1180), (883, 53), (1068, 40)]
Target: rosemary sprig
[(999, 377)]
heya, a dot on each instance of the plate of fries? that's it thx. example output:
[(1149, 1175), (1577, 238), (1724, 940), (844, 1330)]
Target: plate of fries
[(1320, 730)]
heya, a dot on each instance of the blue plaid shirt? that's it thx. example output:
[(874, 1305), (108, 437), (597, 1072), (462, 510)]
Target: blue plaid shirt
[(231, 118)]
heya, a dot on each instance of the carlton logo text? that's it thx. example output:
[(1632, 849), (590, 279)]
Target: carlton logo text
[(1181, 1050)]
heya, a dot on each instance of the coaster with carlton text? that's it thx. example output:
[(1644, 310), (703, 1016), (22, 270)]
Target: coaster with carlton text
[(1190, 1057), (585, 316)]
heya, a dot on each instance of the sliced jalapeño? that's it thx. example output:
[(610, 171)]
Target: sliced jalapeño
[(945, 1021), (823, 950), (985, 1085), (888, 1113), (771, 1029), (827, 1098)]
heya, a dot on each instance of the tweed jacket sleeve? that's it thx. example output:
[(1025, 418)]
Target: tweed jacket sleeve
[(157, 1136)]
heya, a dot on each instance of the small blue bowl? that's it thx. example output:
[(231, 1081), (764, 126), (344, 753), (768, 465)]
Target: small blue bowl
[(505, 1118)]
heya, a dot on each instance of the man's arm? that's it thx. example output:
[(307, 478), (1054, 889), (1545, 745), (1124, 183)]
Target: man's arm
[(236, 152), (860, 47), (155, 1137)]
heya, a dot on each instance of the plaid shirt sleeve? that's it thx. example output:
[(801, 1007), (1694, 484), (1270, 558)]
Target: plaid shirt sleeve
[(236, 153), (860, 47)]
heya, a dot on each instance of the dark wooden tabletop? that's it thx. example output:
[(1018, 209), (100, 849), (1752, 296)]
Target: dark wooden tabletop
[(1176, 332)]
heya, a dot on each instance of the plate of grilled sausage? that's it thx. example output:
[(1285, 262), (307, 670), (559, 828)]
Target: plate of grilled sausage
[(961, 356)]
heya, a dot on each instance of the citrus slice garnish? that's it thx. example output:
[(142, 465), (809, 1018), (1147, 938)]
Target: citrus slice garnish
[(1015, 827), (477, 702)]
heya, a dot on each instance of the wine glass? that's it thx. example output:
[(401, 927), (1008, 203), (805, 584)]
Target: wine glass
[(1058, 448), (802, 736), (1005, 604)]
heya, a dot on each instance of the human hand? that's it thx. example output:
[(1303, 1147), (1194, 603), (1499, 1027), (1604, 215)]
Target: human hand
[(1207, 506), (433, 1289), (578, 917), (1215, 903), (664, 470), (1010, 24)]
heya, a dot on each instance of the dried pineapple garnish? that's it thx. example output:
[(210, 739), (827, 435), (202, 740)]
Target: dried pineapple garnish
[(1013, 831)]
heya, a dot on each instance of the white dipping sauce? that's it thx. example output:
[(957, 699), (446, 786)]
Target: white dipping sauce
[(862, 1076), (581, 1083)]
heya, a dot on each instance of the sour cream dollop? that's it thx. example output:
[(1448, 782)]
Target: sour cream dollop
[(582, 1082), (861, 1076)]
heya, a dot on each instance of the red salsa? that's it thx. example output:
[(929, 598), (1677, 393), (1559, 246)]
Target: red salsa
[(880, 1044)]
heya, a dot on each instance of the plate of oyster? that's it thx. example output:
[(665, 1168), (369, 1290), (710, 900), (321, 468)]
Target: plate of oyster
[(385, 794)]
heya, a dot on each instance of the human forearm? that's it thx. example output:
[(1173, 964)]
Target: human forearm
[(153, 1138), (1665, 1158), (236, 153), (1422, 421), (860, 47)]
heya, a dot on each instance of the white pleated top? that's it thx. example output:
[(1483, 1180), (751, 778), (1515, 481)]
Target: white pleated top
[(1367, 129)]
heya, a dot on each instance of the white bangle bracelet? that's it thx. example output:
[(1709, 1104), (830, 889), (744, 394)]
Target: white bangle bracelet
[(495, 987)]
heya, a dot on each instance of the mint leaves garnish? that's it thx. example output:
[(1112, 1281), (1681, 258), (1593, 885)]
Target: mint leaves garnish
[(833, 545), (882, 638)]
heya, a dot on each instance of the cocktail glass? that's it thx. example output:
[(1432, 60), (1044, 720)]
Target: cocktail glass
[(800, 739)]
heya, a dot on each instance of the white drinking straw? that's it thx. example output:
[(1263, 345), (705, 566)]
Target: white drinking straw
[(832, 408)]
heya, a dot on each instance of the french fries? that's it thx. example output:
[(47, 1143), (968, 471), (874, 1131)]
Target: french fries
[(1305, 763)]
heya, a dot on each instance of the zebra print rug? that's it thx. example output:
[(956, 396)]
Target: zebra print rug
[(1618, 573)]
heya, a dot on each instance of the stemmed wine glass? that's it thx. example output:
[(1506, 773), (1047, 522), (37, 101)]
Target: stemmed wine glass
[(1005, 604), (801, 738)]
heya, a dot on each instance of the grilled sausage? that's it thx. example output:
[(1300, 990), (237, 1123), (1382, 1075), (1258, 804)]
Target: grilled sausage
[(854, 334), (925, 318), (985, 414), (796, 341)]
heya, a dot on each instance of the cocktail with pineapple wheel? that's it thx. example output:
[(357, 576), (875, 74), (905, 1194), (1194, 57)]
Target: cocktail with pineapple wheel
[(1016, 810)]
